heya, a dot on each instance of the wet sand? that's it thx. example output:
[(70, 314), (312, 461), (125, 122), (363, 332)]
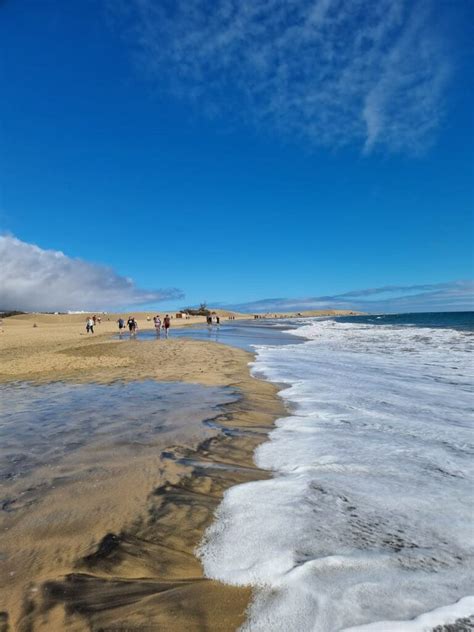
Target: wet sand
[(110, 545)]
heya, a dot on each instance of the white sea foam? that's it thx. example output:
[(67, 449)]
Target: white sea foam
[(445, 615), (368, 517)]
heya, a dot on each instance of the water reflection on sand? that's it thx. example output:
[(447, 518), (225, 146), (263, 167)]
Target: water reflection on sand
[(242, 334), (78, 461), (39, 425)]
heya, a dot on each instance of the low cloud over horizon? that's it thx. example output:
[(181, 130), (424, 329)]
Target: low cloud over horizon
[(34, 279), (452, 296)]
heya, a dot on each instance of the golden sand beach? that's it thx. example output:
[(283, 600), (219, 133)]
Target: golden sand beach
[(110, 548)]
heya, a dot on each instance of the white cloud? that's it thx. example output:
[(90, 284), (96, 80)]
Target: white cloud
[(332, 71), (436, 297), (33, 279)]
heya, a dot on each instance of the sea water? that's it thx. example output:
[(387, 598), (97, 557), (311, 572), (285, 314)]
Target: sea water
[(367, 521)]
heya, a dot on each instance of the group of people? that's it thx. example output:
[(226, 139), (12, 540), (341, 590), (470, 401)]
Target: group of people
[(162, 326), (213, 319), (132, 325), (91, 322)]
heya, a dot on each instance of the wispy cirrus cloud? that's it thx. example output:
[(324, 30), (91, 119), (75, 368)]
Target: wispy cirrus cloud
[(453, 296), (335, 72), (34, 279)]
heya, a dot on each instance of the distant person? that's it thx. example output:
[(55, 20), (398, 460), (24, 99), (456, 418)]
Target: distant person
[(121, 324), (90, 325), (157, 322), (94, 318), (132, 325), (218, 320), (166, 324)]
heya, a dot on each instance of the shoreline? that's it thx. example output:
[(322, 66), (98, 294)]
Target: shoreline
[(143, 571), (47, 347)]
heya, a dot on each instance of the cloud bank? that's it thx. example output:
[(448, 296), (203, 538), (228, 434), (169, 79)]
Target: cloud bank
[(33, 279), (335, 72), (454, 296)]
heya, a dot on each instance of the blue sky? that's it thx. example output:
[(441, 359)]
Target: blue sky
[(235, 152)]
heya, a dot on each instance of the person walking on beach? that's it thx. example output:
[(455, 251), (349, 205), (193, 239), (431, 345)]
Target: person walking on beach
[(121, 324), (157, 321), (166, 324), (90, 325), (132, 325)]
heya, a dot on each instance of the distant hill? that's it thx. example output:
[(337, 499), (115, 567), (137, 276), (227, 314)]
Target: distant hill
[(7, 313)]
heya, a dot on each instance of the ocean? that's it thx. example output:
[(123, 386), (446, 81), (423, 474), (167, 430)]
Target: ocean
[(367, 520)]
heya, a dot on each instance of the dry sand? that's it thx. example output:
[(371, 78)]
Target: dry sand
[(51, 347), (113, 548)]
